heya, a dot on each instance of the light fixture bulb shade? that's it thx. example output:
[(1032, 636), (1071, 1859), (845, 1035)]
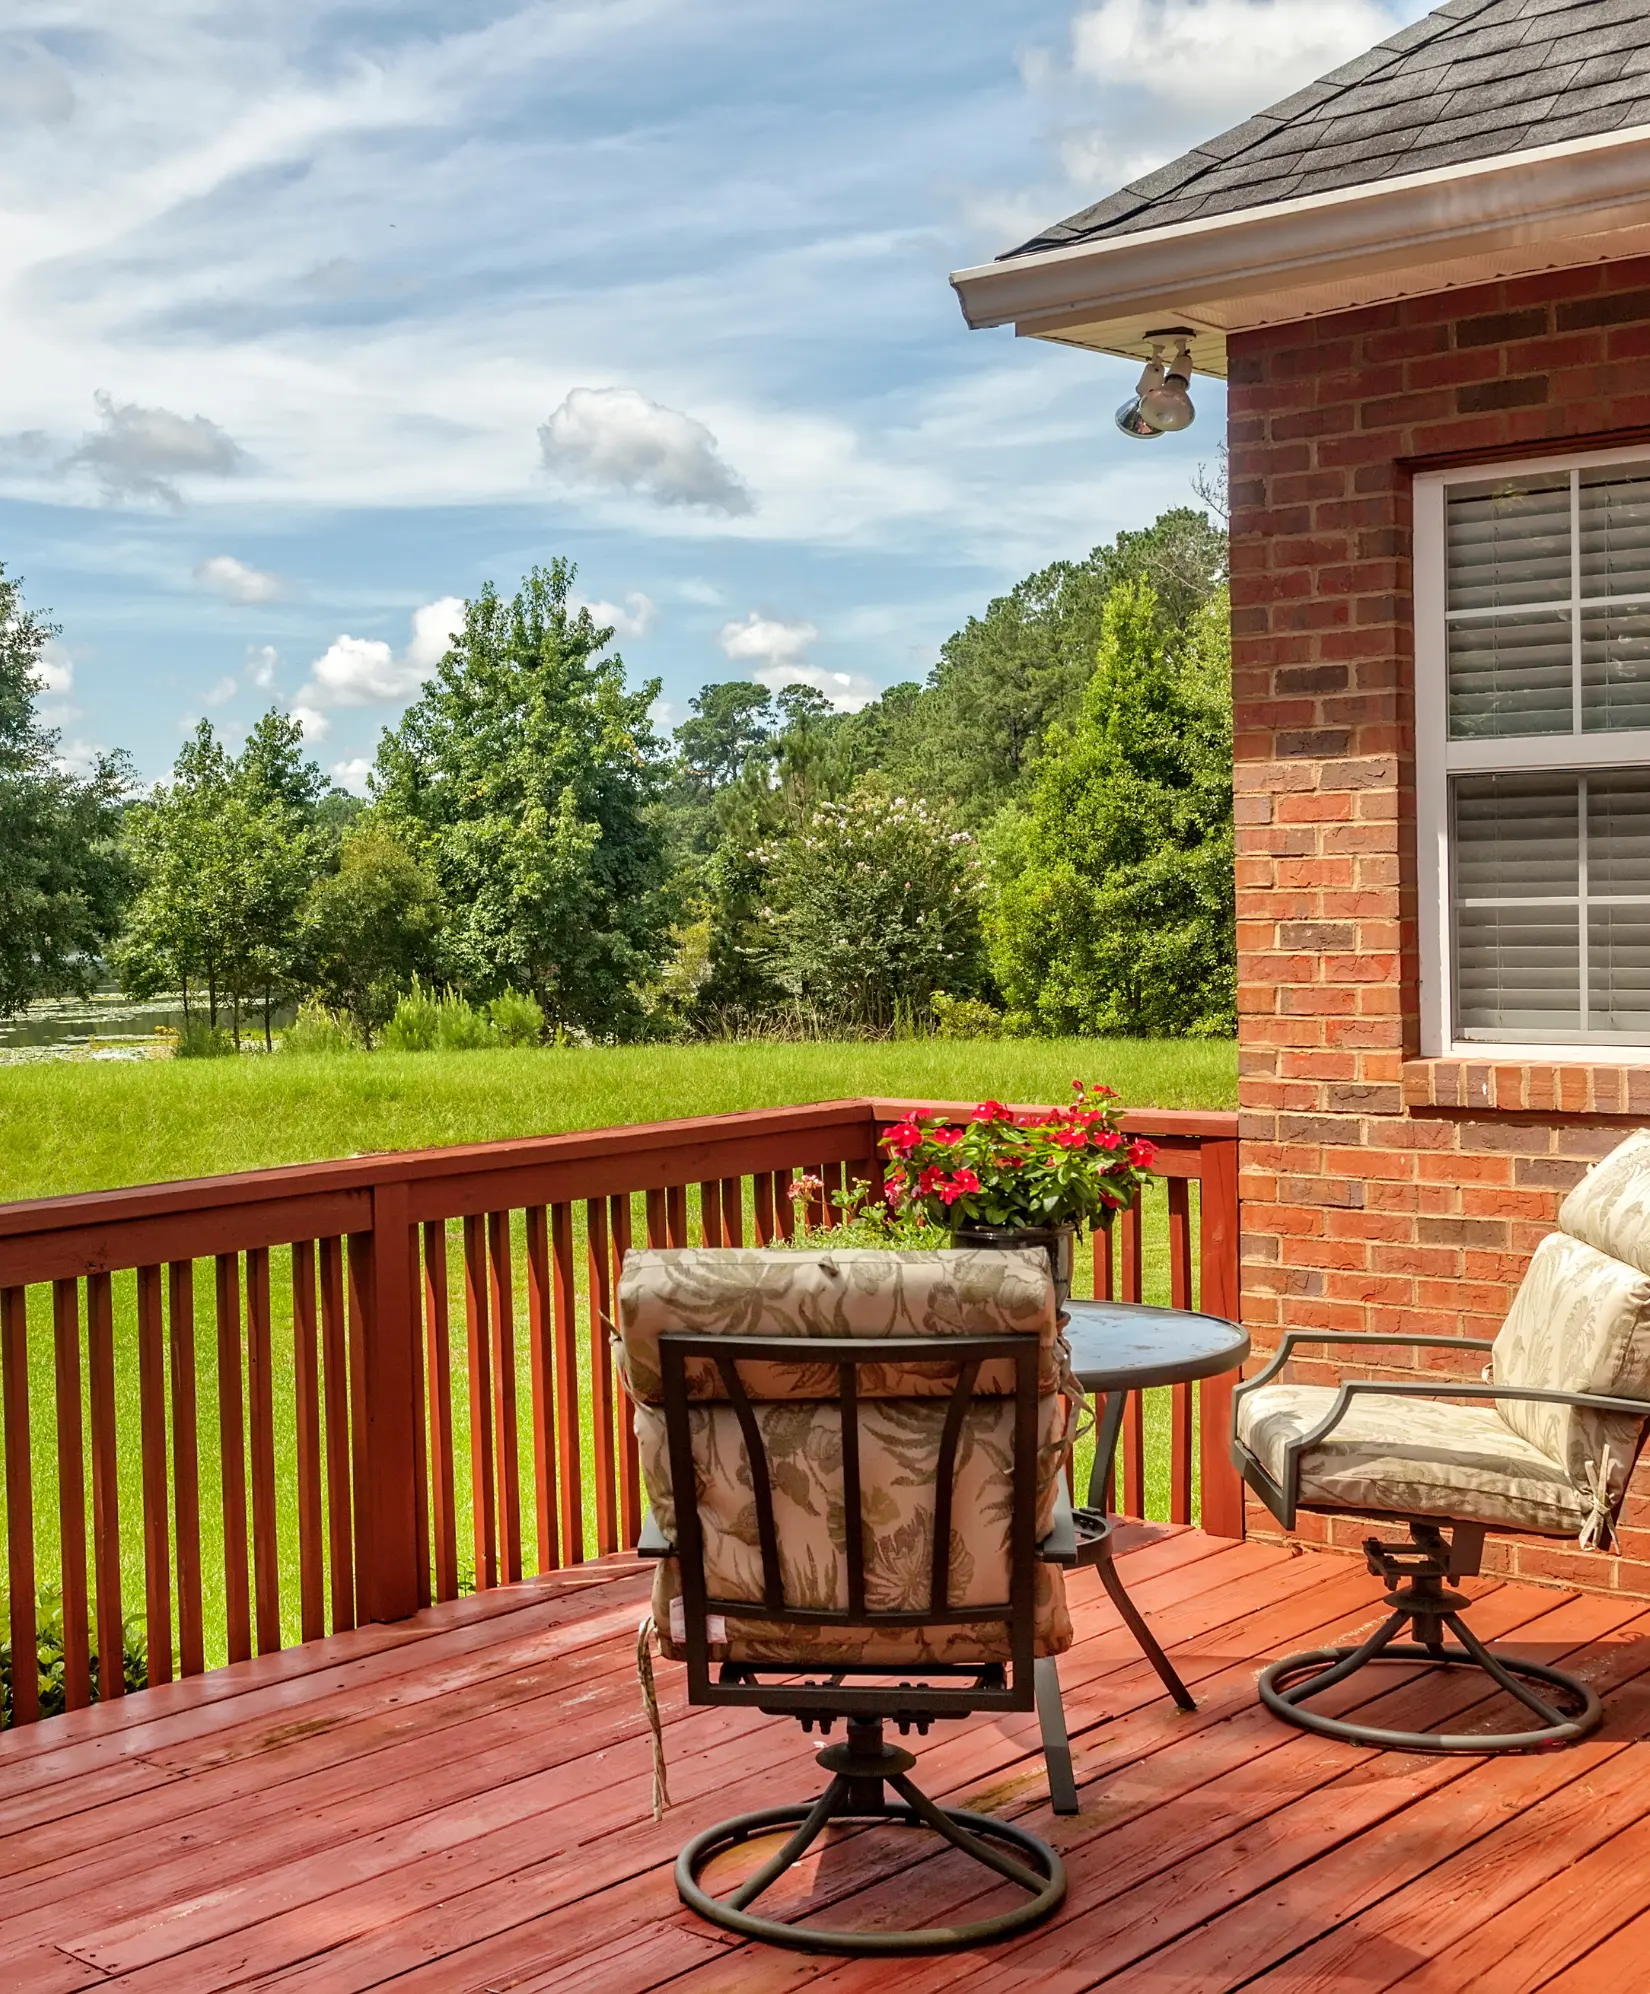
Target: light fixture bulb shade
[(1132, 422), (1168, 407)]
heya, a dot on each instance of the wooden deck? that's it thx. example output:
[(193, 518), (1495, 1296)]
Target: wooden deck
[(461, 1802)]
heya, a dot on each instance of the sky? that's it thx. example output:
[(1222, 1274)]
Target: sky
[(314, 318)]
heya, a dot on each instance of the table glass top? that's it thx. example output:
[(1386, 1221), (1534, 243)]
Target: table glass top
[(1116, 1344)]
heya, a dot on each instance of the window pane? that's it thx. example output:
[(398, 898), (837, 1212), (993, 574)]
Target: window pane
[(1510, 675), (1618, 832), (1615, 531), (1510, 543), (1618, 965), (1615, 668), (1517, 837), (1517, 970)]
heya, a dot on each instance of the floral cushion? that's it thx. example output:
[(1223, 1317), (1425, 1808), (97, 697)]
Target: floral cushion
[(1610, 1207), (1579, 1323), (735, 1291), (1413, 1457)]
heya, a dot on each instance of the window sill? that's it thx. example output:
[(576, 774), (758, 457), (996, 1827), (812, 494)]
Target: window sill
[(1525, 1085)]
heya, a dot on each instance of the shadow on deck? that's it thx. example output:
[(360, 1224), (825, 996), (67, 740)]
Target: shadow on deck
[(461, 1802)]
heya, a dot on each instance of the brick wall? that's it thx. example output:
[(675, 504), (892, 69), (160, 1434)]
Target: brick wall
[(1382, 1191)]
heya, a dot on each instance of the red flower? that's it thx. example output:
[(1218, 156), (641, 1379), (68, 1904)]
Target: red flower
[(950, 1137), (1142, 1154), (930, 1180), (992, 1111), (954, 1187), (1108, 1139), (1071, 1138), (902, 1138)]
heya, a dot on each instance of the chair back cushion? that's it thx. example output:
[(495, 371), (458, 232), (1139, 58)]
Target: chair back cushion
[(1610, 1207), (1579, 1323)]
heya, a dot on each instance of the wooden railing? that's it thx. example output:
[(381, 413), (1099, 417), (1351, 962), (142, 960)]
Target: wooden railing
[(303, 1394)]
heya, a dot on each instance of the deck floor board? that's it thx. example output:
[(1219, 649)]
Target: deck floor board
[(461, 1803)]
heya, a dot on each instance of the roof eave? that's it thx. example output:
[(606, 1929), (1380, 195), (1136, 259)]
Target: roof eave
[(1580, 201)]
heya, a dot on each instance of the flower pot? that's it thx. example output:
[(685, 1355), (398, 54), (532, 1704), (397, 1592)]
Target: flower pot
[(1057, 1241)]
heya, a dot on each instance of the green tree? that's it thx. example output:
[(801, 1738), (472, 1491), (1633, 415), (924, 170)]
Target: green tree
[(875, 907), (62, 876), (528, 779), (1114, 903), (370, 926)]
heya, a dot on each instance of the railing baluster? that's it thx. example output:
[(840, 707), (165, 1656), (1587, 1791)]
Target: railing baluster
[(482, 1489), (186, 1496), (20, 1594), (1180, 1402), (542, 1367), (306, 1379), (502, 1310), (266, 1557), (676, 1224), (630, 1476), (100, 1348), (567, 1386), (1134, 1419), (157, 1550), (71, 1495), (784, 1205), (657, 1227), (710, 1214), (335, 1383), (232, 1458), (733, 1211), (1105, 1270), (762, 1198), (1221, 1488), (421, 1458), (601, 1377), (439, 1366)]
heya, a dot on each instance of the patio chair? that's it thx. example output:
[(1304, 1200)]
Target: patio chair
[(878, 1443), (1546, 1443)]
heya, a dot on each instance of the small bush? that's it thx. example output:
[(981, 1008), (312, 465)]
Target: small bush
[(460, 1027), (414, 1025), (318, 1032), (199, 1040), (965, 1018), (49, 1663), (517, 1018), (424, 1022)]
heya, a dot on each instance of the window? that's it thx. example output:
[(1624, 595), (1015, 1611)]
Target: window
[(1533, 754)]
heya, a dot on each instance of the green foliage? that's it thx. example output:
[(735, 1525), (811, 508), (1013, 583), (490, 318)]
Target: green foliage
[(1114, 911), (317, 1033), (527, 779), (875, 907), (199, 1040), (516, 1018), (424, 1022), (371, 925), (49, 1663), (62, 875), (965, 1017)]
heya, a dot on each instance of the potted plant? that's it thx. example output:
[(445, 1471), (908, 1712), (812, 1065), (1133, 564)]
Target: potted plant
[(1004, 1180)]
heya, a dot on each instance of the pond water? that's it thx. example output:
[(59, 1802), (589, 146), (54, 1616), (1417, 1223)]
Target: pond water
[(103, 1026)]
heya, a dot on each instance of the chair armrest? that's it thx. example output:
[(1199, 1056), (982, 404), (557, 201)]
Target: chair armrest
[(1059, 1547), (1293, 1337), (1445, 1388), (652, 1543)]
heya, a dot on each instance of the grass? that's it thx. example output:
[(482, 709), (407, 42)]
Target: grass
[(76, 1127)]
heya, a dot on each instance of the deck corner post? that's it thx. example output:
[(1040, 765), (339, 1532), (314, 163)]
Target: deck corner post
[(383, 1293), (1220, 1294)]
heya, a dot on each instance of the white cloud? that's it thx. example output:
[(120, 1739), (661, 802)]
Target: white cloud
[(763, 639), (259, 669), (55, 670), (135, 453), (365, 671), (33, 86), (616, 438), (695, 590), (635, 619), (352, 774), (222, 693), (239, 582), (79, 757)]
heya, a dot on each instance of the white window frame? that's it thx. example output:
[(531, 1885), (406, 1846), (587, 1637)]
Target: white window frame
[(1437, 758)]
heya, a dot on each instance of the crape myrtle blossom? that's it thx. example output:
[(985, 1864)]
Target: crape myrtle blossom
[(1047, 1167)]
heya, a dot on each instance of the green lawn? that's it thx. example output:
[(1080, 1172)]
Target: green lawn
[(76, 1127), (87, 1127)]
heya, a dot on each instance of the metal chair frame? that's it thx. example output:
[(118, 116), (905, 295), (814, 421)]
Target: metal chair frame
[(866, 1765), (1415, 1573)]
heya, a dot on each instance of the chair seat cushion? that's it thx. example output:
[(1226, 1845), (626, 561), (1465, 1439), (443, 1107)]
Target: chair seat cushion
[(1413, 1457)]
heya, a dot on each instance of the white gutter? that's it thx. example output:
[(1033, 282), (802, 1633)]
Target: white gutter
[(1549, 195)]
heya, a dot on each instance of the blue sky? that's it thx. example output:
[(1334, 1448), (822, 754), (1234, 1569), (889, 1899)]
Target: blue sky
[(313, 318)]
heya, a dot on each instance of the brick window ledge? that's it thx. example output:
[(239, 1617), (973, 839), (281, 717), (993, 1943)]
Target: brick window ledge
[(1520, 1086)]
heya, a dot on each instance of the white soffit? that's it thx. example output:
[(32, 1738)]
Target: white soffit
[(1551, 207)]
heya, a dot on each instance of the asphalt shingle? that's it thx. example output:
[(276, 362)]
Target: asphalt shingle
[(1472, 80)]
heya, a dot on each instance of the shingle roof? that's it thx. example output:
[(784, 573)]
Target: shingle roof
[(1475, 79)]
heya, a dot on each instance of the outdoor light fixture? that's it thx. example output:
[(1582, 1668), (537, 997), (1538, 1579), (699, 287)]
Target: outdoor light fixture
[(1160, 403)]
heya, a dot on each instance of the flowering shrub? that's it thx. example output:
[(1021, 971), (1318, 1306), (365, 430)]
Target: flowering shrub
[(1049, 1167)]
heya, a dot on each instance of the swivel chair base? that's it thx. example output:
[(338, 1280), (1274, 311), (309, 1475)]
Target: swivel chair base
[(860, 1770), (1415, 1575)]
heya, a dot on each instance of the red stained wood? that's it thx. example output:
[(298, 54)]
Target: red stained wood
[(14, 1407), (335, 1379), (438, 1364), (483, 1489), (784, 1205), (383, 1298), (501, 1307), (657, 1227), (762, 1191), (541, 1353), (568, 1464), (733, 1211), (710, 1214), (71, 1494), (1222, 1490), (421, 1459), (157, 1548), (306, 1376), (100, 1347), (1180, 1396), (266, 1561), (1131, 1270), (630, 1474), (604, 1465), (186, 1502), (232, 1458), (676, 1223)]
